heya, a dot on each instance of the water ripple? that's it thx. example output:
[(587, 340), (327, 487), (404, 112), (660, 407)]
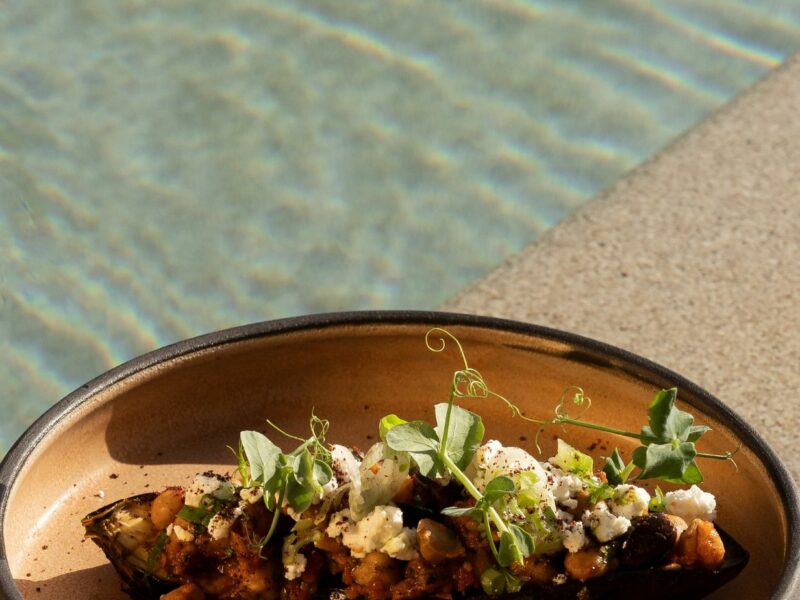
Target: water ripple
[(172, 168)]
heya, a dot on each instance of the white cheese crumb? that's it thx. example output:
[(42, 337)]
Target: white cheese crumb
[(402, 546), (202, 485), (100, 494), (603, 524), (493, 459), (691, 504), (344, 464), (339, 523), (219, 526), (629, 501), (572, 535), (251, 495), (182, 534), (565, 487), (296, 568), (370, 533)]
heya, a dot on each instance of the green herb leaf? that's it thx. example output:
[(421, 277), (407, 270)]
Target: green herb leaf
[(322, 472), (617, 472), (667, 423), (499, 581), (515, 545), (657, 501), (387, 423), (275, 484), (302, 485), (669, 462), (493, 581), (262, 455), (464, 432), (195, 514), (497, 488), (571, 460), (155, 552), (419, 439), (457, 511), (613, 468)]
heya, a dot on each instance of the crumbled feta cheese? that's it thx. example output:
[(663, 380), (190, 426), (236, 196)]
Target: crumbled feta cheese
[(493, 459), (251, 495), (629, 501), (202, 485), (565, 487), (402, 546), (370, 533), (339, 523), (572, 535), (100, 494), (182, 534), (691, 504), (603, 524), (219, 526), (296, 568), (344, 464)]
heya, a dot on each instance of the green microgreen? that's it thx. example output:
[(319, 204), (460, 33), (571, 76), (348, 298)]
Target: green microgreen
[(657, 501), (449, 447), (196, 515), (296, 477), (668, 442), (155, 553)]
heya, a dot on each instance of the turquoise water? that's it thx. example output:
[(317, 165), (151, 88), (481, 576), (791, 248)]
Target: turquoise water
[(167, 169)]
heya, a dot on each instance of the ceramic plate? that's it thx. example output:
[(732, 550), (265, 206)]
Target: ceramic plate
[(162, 417)]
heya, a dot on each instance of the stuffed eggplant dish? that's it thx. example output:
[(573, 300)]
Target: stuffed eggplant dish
[(433, 510)]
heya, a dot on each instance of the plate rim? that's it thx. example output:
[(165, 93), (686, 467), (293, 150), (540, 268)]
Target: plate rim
[(14, 461)]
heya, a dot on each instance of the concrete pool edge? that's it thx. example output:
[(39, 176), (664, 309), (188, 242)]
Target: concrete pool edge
[(689, 260)]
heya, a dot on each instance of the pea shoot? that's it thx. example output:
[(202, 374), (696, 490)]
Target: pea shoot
[(508, 507), (296, 477), (668, 442), (667, 453), (448, 448)]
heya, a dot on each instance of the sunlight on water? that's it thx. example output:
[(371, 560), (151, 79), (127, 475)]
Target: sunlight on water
[(167, 169)]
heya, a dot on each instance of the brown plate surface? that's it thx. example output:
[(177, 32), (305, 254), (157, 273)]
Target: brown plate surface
[(163, 417)]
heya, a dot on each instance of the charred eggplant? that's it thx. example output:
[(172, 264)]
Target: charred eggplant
[(125, 533)]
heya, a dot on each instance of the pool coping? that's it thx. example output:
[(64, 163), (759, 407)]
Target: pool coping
[(691, 260)]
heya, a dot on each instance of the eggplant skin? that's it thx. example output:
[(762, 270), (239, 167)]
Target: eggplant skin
[(136, 582)]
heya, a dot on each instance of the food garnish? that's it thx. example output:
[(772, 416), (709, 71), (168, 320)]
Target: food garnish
[(431, 510)]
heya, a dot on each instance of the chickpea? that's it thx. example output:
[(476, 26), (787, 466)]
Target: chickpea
[(535, 568), (700, 546), (589, 563), (165, 507), (437, 542)]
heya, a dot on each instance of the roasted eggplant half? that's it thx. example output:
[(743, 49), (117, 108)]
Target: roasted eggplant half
[(432, 511), (125, 533), (190, 564)]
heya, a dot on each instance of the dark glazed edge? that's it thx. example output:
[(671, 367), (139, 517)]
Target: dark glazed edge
[(643, 368)]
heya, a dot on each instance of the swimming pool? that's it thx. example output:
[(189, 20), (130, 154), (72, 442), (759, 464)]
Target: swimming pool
[(169, 169)]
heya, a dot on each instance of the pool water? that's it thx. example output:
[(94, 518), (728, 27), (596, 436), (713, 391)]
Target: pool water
[(167, 169)]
